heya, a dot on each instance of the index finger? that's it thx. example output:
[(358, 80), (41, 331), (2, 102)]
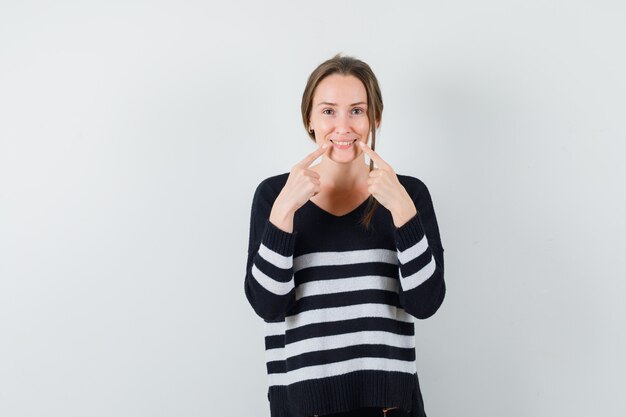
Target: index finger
[(310, 158), (372, 154)]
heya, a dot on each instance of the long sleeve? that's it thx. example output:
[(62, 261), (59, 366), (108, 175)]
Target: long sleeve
[(420, 256), (269, 283)]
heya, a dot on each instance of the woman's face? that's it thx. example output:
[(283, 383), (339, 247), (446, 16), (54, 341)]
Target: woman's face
[(339, 114)]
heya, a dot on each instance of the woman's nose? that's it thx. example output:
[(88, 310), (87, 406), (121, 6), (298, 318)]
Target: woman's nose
[(343, 124)]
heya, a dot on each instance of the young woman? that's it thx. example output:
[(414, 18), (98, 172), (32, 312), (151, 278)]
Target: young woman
[(342, 257)]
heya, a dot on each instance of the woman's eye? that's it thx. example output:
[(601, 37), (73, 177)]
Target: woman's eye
[(325, 110), (359, 110)]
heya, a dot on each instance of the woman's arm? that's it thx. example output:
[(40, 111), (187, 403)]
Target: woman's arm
[(269, 283), (420, 257)]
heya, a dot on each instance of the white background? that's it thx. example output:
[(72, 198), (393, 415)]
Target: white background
[(132, 138)]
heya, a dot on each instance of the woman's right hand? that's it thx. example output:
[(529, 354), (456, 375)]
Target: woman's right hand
[(302, 184)]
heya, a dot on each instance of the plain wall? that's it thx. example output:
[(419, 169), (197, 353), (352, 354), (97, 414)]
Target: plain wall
[(133, 135)]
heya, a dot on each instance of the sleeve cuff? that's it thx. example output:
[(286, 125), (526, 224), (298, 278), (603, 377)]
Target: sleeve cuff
[(278, 240), (409, 233)]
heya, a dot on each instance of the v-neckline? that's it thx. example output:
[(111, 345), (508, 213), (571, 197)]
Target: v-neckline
[(354, 210)]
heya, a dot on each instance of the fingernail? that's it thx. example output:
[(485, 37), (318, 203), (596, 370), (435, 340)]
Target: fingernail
[(361, 144), (324, 146)]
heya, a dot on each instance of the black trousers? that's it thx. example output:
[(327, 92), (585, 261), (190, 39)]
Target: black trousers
[(369, 412)]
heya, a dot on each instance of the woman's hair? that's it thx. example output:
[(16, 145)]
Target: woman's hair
[(346, 65)]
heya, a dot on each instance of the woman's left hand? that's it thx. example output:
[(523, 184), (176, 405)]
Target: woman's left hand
[(384, 185)]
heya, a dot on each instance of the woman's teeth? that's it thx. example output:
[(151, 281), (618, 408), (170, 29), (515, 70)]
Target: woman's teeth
[(343, 144)]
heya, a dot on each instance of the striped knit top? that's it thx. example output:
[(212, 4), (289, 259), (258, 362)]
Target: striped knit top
[(339, 302)]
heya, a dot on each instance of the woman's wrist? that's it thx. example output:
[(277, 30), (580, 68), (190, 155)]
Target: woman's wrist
[(403, 213), (282, 218)]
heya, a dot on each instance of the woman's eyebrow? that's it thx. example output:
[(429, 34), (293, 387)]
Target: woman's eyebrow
[(325, 103)]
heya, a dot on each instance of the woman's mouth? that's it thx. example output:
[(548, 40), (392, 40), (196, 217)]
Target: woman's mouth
[(343, 144)]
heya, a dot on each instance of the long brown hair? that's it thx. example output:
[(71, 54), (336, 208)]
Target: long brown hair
[(347, 65)]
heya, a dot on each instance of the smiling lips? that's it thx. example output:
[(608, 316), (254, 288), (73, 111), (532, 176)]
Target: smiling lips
[(343, 144)]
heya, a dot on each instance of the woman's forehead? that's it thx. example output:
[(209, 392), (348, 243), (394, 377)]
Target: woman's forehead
[(340, 90)]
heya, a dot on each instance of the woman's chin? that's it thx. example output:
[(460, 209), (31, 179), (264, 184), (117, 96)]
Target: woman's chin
[(343, 158)]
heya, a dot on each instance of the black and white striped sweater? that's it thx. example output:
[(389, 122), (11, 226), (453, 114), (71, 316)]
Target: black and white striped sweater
[(339, 302)]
